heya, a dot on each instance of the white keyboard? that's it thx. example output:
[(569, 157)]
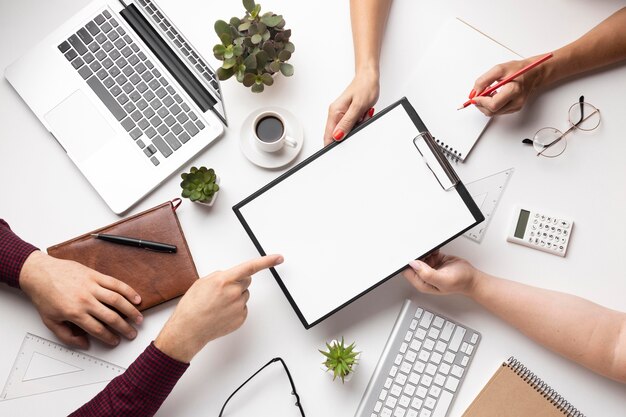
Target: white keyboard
[(421, 368)]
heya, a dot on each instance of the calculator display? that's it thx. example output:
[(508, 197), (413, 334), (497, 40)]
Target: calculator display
[(521, 224)]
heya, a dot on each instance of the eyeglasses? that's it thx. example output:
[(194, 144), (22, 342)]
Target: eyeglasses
[(551, 142), (293, 386)]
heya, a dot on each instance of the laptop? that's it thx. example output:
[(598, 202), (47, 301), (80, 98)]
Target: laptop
[(128, 98)]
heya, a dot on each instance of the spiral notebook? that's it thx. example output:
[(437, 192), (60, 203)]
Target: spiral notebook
[(514, 391), (443, 78)]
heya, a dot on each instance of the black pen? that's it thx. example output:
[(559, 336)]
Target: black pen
[(138, 243)]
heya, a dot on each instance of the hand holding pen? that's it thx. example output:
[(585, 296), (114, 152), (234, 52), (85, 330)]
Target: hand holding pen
[(515, 82)]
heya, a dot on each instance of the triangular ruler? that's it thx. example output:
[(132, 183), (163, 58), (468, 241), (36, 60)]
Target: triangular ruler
[(486, 192), (44, 366)]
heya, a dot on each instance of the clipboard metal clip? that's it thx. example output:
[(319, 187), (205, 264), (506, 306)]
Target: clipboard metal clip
[(436, 161)]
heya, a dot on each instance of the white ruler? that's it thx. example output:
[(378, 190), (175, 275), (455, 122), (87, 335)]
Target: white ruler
[(486, 192), (44, 366)]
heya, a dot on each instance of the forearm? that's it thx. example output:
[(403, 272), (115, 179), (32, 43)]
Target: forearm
[(140, 390), (368, 19), (603, 45), (571, 326)]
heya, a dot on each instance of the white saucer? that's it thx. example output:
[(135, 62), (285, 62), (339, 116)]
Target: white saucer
[(276, 159)]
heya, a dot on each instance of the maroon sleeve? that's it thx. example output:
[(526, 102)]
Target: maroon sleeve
[(13, 254), (140, 390)]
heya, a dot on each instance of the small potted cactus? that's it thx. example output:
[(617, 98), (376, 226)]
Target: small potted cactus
[(200, 185), (254, 48), (340, 360)]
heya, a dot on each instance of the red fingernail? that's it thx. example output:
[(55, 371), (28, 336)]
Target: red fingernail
[(472, 93), (338, 135), (370, 112), (473, 101)]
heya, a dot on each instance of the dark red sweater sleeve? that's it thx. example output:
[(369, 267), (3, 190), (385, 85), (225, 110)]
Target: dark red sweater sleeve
[(13, 254), (140, 390)]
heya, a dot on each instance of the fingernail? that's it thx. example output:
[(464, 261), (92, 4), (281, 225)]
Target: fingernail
[(338, 135), (472, 93), (370, 112), (280, 260), (473, 101), (116, 342), (415, 265), (137, 299), (132, 335), (139, 319)]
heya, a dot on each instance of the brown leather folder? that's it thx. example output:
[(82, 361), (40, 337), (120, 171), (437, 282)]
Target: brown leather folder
[(156, 276)]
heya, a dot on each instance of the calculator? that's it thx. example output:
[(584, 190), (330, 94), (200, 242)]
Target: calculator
[(539, 230)]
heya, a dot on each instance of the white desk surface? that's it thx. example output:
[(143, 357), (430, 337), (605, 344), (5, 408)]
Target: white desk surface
[(46, 200)]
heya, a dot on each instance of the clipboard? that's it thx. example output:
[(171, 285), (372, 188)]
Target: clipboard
[(351, 216)]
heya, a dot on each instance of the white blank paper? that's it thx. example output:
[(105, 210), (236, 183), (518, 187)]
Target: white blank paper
[(355, 215), (443, 78)]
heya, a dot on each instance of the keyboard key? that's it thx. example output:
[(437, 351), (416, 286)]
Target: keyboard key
[(88, 58), (417, 403), (448, 357), (108, 100), (163, 129), (133, 59), (127, 52), (100, 19), (434, 391), (168, 101), (85, 72), (107, 63), (474, 338), (150, 132), (419, 366), (404, 401), (163, 112), (191, 129), (178, 99), (429, 344), (106, 14), (440, 346), (128, 124), (465, 360), (426, 380), (77, 44), (122, 99), (85, 36), (457, 371), (142, 87), (116, 91), (135, 95), (431, 369), (433, 333), (430, 402), (106, 28), (136, 133), (421, 392), (405, 367), (439, 379), (452, 383), (142, 104), (411, 354), (92, 28), (194, 117), (94, 47), (457, 338), (383, 395), (436, 358), (444, 403), (71, 54), (147, 76), (100, 54), (128, 87), (148, 112), (154, 160), (120, 44), (447, 331), (427, 317), (136, 115), (414, 378), (114, 54), (386, 412), (396, 390), (161, 146), (169, 120), (135, 79), (391, 401), (77, 63), (184, 137), (102, 74), (378, 406), (444, 368), (64, 47)]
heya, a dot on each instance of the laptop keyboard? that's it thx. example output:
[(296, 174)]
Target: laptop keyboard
[(155, 116), (423, 370), (181, 43)]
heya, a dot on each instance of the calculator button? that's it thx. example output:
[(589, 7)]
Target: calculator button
[(536, 214), (553, 228), (558, 231), (549, 219), (551, 237), (543, 218), (563, 240), (542, 243), (534, 221), (549, 245), (532, 234), (546, 227), (564, 224), (560, 248), (534, 227), (564, 232)]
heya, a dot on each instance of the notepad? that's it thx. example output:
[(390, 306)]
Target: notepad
[(515, 391), (353, 215), (443, 78)]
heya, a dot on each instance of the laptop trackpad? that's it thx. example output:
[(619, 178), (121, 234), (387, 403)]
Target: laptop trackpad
[(79, 126)]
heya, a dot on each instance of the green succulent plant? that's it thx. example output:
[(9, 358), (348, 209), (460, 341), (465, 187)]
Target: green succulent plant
[(340, 359), (254, 48), (199, 184)]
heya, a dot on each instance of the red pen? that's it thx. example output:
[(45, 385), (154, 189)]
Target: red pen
[(508, 79)]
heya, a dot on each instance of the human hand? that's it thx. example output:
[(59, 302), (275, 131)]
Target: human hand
[(353, 105), (512, 96), (213, 307), (441, 274), (66, 291)]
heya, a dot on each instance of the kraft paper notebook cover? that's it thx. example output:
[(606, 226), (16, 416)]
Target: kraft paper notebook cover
[(514, 391), (353, 215), (443, 78), (156, 276)]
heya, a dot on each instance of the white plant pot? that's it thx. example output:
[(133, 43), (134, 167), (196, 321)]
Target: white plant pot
[(354, 367), (212, 200)]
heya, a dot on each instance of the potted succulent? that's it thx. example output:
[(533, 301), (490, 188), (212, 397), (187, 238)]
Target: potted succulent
[(254, 48), (340, 360), (200, 185)]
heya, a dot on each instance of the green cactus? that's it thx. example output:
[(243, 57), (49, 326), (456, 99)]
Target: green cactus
[(199, 184), (253, 48), (340, 359)]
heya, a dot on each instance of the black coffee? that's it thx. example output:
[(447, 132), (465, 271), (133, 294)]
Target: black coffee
[(269, 129)]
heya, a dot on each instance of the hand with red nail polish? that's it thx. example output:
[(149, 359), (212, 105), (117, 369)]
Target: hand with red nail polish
[(352, 107)]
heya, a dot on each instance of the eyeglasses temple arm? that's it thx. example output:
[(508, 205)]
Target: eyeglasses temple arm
[(566, 132)]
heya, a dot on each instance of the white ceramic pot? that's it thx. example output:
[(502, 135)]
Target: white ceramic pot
[(354, 367), (212, 200)]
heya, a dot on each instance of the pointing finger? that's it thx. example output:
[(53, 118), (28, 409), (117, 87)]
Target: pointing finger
[(253, 266)]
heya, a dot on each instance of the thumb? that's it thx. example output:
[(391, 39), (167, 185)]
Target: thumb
[(422, 278), (65, 334), (347, 122)]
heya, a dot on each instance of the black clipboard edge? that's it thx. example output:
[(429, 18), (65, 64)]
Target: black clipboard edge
[(467, 199)]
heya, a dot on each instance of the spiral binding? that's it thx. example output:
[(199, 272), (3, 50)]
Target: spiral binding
[(543, 388), (448, 151)]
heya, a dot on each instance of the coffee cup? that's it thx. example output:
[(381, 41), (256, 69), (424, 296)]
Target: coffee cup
[(270, 132)]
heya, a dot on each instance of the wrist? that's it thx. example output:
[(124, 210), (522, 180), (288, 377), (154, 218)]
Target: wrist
[(31, 270), (477, 279), (174, 343), (368, 70)]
